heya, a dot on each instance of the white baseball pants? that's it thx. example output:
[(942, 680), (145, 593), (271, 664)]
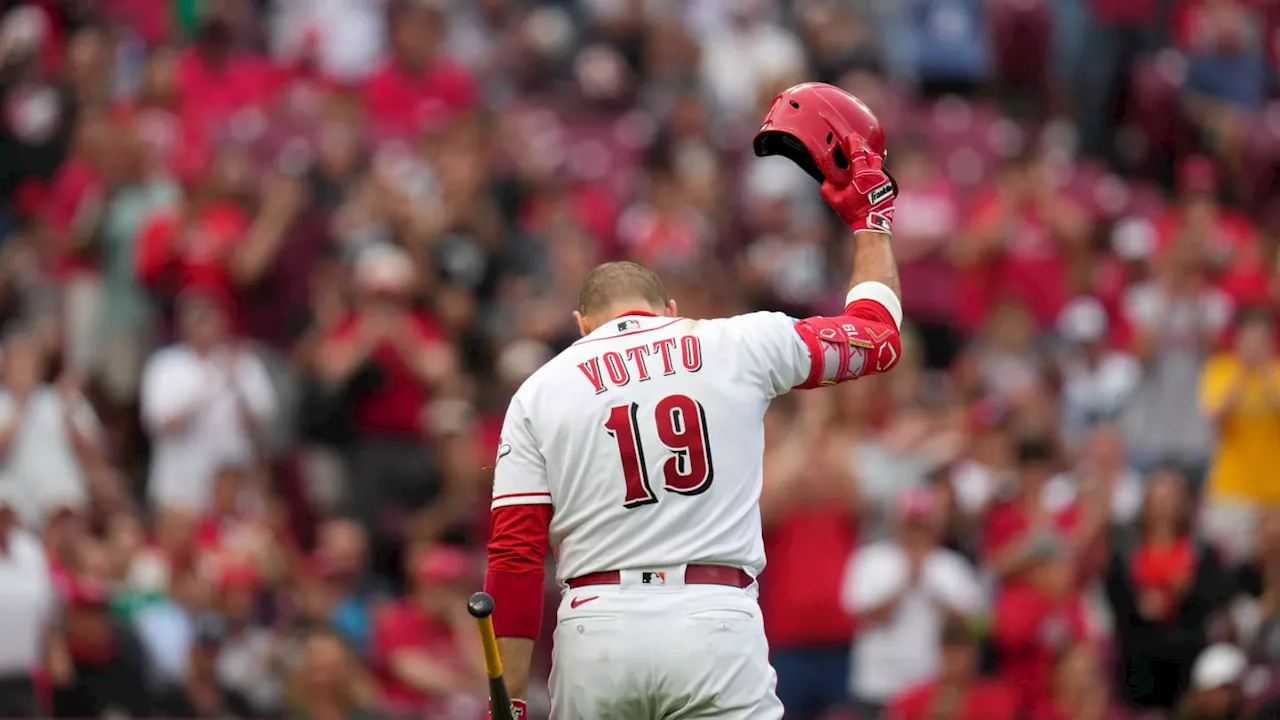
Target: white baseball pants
[(668, 651)]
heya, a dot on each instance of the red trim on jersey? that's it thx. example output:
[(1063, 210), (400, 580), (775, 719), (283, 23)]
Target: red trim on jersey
[(584, 341), (517, 568), (524, 494), (637, 313)]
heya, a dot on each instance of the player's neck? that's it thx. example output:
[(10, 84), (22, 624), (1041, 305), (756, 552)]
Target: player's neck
[(633, 308)]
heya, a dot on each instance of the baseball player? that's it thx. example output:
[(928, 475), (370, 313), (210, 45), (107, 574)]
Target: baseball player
[(635, 456)]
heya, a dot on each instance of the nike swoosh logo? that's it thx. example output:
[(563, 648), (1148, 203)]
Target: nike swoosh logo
[(574, 603)]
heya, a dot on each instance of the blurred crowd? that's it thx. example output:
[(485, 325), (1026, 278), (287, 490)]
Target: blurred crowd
[(270, 270)]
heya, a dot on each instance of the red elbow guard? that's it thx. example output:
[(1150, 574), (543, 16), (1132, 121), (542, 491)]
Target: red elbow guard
[(863, 341)]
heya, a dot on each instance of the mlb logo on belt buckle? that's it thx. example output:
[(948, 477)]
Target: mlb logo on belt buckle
[(653, 578)]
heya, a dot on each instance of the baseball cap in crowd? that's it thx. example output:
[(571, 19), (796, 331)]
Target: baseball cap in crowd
[(1133, 239), (442, 565), (1083, 320), (1220, 664)]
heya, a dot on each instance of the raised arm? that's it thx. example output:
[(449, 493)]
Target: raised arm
[(865, 338)]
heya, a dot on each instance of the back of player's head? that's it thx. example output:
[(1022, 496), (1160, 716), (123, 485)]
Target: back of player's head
[(619, 281)]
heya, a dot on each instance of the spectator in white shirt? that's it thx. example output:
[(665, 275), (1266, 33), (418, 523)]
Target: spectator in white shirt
[(48, 434), (902, 591), (27, 603), (347, 38), (744, 61), (1096, 381), (204, 400)]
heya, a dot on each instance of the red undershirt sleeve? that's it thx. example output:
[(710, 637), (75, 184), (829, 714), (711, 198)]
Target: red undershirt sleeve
[(517, 568)]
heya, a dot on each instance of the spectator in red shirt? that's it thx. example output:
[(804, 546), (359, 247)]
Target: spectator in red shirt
[(957, 693), (1164, 587), (810, 508), (195, 245), (1221, 236), (1036, 620), (425, 650), (387, 361), (418, 89), (1015, 527), (1020, 238), (217, 77)]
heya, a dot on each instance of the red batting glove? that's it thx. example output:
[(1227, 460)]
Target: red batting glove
[(518, 710), (866, 204)]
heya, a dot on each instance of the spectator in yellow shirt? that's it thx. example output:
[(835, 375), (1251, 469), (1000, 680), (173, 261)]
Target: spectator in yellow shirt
[(1240, 393)]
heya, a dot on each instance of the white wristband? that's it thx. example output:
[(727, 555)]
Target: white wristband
[(880, 293)]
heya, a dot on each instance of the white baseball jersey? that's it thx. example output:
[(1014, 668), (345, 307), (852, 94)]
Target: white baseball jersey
[(647, 436)]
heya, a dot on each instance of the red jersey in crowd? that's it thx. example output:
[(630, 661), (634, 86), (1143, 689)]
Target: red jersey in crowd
[(1010, 521), (401, 626), (800, 596), (404, 101), (1030, 629), (212, 92), (1030, 268), (1229, 231), (395, 406), (985, 700), (178, 253)]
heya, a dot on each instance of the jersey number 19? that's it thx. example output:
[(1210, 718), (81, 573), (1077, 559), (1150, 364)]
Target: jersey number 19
[(681, 423)]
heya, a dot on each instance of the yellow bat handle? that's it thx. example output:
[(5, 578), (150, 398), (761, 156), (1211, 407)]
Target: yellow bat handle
[(492, 660)]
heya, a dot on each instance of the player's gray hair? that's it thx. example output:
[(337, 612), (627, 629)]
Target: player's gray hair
[(620, 280)]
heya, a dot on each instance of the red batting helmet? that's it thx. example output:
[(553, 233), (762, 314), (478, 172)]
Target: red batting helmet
[(807, 123)]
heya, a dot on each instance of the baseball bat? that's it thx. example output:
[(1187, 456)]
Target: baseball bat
[(480, 605)]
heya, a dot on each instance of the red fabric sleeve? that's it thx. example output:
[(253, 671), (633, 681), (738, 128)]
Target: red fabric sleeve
[(517, 568)]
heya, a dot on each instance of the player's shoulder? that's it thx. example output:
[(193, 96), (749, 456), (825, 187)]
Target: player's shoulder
[(760, 321)]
